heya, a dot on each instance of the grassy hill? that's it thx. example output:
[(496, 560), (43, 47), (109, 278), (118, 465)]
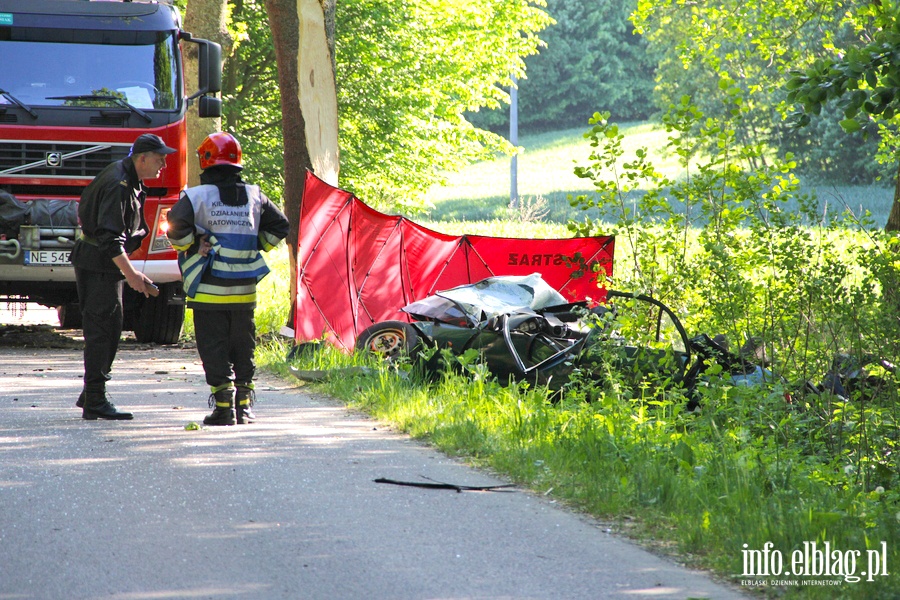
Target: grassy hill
[(481, 193)]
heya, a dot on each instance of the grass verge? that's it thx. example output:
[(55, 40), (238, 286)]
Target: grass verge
[(700, 488)]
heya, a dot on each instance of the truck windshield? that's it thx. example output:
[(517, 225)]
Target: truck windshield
[(43, 67)]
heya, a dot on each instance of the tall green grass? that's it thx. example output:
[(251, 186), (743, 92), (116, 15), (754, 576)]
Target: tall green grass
[(698, 486)]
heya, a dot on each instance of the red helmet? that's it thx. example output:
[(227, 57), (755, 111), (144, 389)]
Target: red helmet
[(219, 149)]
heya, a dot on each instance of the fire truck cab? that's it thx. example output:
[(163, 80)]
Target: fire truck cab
[(81, 80)]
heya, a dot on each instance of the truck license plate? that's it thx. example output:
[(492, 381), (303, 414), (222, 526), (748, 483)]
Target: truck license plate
[(47, 258)]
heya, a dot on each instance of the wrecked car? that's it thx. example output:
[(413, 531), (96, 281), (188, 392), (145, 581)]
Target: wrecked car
[(526, 331)]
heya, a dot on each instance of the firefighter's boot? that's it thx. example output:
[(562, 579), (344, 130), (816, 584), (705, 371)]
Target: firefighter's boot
[(245, 398), (222, 403), (95, 405)]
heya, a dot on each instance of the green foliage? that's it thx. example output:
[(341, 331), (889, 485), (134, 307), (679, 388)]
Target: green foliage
[(251, 100), (824, 153), (737, 251), (723, 248), (591, 60), (756, 44), (399, 136), (861, 80), (406, 74), (865, 79)]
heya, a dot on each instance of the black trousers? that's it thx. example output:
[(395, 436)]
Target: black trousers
[(100, 299), (226, 342)]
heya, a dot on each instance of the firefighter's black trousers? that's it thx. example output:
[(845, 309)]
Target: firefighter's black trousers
[(226, 341), (100, 300)]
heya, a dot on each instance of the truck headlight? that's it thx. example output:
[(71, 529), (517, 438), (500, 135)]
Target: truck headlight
[(160, 241)]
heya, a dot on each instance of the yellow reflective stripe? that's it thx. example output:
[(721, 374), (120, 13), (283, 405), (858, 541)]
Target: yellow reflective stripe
[(181, 247), (232, 253), (222, 300), (182, 243), (268, 240), (223, 290)]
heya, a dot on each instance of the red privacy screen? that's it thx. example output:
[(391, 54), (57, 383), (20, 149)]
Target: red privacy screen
[(357, 266)]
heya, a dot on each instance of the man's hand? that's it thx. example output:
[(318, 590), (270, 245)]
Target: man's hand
[(141, 284), (135, 280), (205, 246)]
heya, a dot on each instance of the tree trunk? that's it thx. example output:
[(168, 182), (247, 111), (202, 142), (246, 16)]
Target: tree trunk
[(893, 222), (303, 34), (205, 19)]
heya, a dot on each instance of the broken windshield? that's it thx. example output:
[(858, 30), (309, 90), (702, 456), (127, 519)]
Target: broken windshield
[(488, 298), (43, 67)]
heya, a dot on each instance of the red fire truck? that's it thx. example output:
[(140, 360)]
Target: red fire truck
[(79, 81)]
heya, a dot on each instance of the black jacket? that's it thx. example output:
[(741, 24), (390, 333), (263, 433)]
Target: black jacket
[(111, 214)]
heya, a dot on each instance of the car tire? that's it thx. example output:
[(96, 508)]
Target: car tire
[(157, 320), (389, 339)]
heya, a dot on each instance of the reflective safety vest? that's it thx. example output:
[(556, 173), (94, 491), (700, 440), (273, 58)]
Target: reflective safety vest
[(234, 234)]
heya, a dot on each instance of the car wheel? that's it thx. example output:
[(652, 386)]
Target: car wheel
[(389, 339), (155, 319)]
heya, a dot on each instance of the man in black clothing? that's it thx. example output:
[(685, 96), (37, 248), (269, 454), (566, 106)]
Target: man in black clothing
[(111, 213)]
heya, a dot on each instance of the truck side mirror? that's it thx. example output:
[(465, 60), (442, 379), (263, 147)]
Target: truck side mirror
[(210, 66), (210, 76), (209, 106)]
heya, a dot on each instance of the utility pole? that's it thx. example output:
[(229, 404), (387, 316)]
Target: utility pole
[(514, 140)]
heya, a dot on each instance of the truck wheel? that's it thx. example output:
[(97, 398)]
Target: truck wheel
[(156, 320), (69, 315), (389, 339)]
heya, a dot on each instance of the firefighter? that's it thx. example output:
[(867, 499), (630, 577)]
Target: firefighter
[(219, 229), (111, 213)]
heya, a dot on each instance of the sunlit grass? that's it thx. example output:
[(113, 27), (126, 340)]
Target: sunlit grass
[(691, 485)]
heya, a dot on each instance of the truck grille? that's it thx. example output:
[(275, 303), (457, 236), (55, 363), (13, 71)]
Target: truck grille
[(57, 159)]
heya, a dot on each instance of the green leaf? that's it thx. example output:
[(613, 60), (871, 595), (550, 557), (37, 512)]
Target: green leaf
[(850, 125), (872, 79)]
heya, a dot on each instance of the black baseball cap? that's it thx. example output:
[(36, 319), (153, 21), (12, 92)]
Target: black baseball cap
[(148, 142)]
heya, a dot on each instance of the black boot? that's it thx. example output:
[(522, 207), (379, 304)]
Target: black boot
[(80, 402), (96, 406), (223, 401), (244, 399)]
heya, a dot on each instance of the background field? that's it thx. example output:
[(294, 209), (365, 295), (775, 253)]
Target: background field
[(481, 193)]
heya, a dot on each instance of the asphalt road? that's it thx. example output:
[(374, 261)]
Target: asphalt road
[(283, 508)]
